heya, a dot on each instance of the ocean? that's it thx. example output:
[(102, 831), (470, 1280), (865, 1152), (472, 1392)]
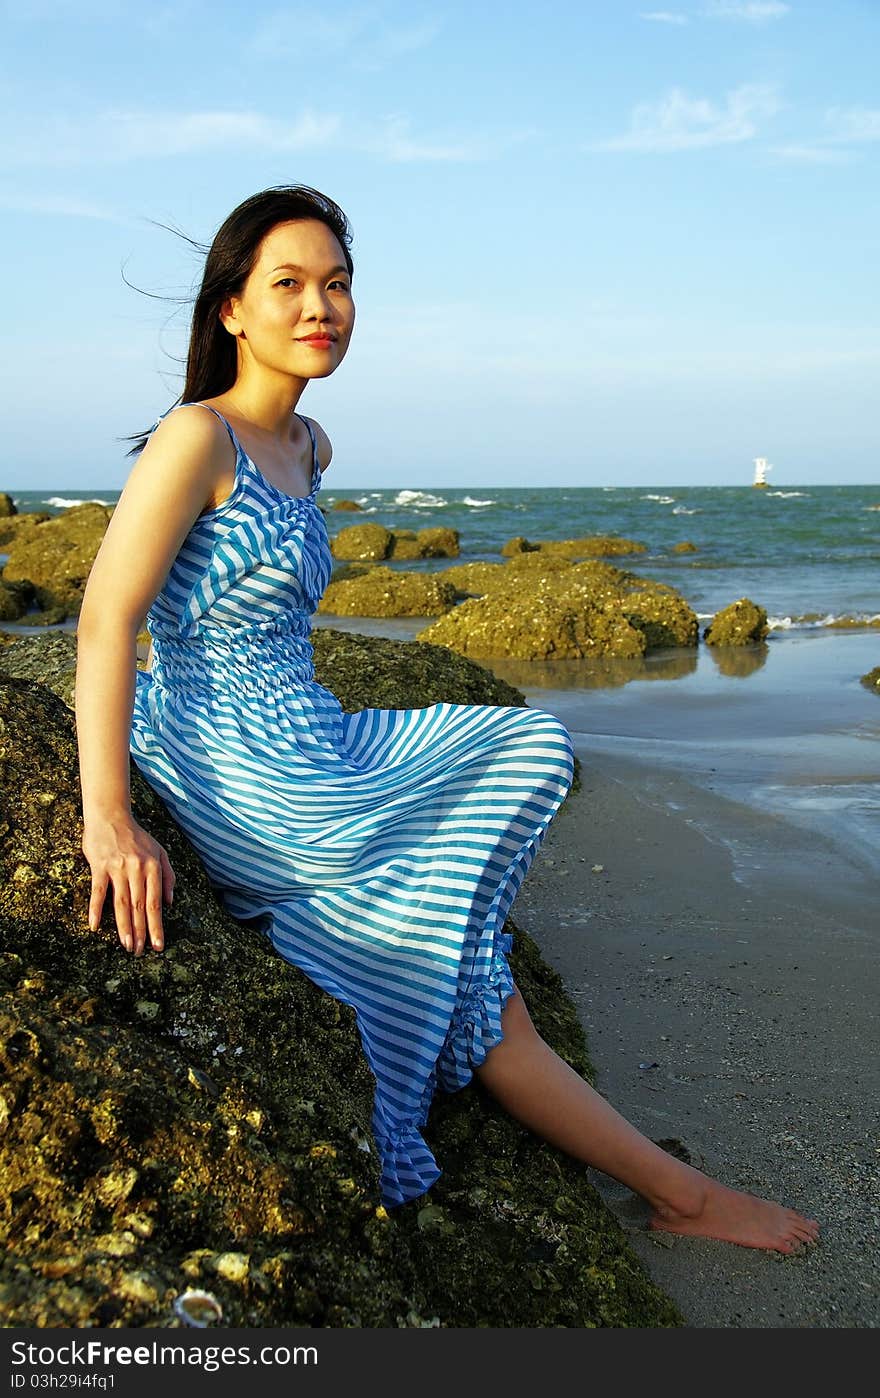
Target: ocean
[(783, 732)]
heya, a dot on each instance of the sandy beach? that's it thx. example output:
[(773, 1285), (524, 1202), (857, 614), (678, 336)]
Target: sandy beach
[(735, 1016)]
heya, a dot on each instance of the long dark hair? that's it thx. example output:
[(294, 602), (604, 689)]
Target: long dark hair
[(212, 359)]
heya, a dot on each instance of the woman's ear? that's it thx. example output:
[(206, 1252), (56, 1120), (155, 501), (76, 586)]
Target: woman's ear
[(228, 318)]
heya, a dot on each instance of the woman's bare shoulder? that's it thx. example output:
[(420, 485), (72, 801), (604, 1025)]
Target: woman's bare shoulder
[(167, 489), (325, 446)]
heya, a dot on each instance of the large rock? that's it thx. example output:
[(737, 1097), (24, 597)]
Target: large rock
[(202, 1118), (439, 542), (872, 680), (743, 623), (16, 599), (370, 671), (427, 543), (387, 592), (593, 546), (11, 526), (571, 612), (56, 558), (8, 506), (362, 542), (346, 505)]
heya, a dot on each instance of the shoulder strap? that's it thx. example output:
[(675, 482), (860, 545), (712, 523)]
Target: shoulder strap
[(316, 465), (227, 425)]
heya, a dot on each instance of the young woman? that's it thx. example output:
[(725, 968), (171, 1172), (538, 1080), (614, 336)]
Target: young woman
[(380, 851)]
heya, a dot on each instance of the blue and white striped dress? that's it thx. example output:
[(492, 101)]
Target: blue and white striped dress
[(380, 850)]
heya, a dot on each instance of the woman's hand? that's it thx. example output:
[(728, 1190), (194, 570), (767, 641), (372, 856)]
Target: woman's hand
[(120, 852)]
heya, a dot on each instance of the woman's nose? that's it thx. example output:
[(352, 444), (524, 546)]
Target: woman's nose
[(316, 303)]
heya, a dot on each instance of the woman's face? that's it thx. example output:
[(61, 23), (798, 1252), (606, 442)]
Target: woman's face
[(295, 310)]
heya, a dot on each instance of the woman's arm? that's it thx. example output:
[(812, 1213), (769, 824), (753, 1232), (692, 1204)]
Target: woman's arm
[(167, 489)]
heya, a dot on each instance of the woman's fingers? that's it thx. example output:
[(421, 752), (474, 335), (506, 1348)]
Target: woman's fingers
[(122, 910), (96, 901), (155, 879), (168, 876), (124, 855)]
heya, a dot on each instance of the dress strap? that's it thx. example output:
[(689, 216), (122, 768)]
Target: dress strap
[(194, 404), (227, 425), (316, 465)]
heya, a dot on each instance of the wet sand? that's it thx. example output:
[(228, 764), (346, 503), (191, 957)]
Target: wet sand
[(736, 1016)]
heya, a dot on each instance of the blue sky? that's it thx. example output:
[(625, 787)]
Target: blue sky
[(595, 243)]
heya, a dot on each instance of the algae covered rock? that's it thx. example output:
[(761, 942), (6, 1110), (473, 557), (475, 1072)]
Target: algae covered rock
[(664, 618), (20, 524), (346, 505), (16, 598), (8, 506), (439, 542), (685, 547), (387, 592), (370, 671), (201, 1118), (426, 543), (366, 542), (564, 612), (56, 557), (50, 658), (743, 623), (872, 680), (405, 545), (593, 546), (543, 625)]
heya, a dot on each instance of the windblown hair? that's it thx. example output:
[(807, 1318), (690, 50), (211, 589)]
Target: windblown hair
[(212, 361)]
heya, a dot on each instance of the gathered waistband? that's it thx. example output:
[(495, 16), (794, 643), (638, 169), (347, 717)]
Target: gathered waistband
[(249, 660)]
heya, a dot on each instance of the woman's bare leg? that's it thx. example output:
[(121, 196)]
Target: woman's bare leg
[(534, 1085)]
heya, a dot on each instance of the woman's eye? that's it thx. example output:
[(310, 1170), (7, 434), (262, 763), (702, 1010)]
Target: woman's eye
[(342, 285), (285, 279)]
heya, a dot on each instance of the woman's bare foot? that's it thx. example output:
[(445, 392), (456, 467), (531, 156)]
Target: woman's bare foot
[(735, 1217)]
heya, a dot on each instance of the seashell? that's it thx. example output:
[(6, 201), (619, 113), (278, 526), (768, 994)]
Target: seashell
[(198, 1308)]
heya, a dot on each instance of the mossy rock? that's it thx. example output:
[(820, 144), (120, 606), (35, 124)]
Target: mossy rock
[(439, 542), (50, 658), (565, 612), (200, 1118), (373, 672), (405, 546), (8, 507), (56, 557), (18, 525), (685, 547), (872, 680), (388, 592), (362, 543), (16, 599), (592, 546), (346, 505), (541, 626), (743, 623), (664, 618)]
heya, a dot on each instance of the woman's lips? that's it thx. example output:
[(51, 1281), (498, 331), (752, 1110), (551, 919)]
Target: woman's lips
[(317, 341)]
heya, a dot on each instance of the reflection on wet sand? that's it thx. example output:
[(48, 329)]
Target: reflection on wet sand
[(738, 662), (603, 672)]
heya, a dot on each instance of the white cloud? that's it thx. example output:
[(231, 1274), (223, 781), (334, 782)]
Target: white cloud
[(853, 124), (664, 17), (846, 127), (811, 155), (357, 34), (391, 140), (751, 11), (128, 134), (679, 122), (59, 204)]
